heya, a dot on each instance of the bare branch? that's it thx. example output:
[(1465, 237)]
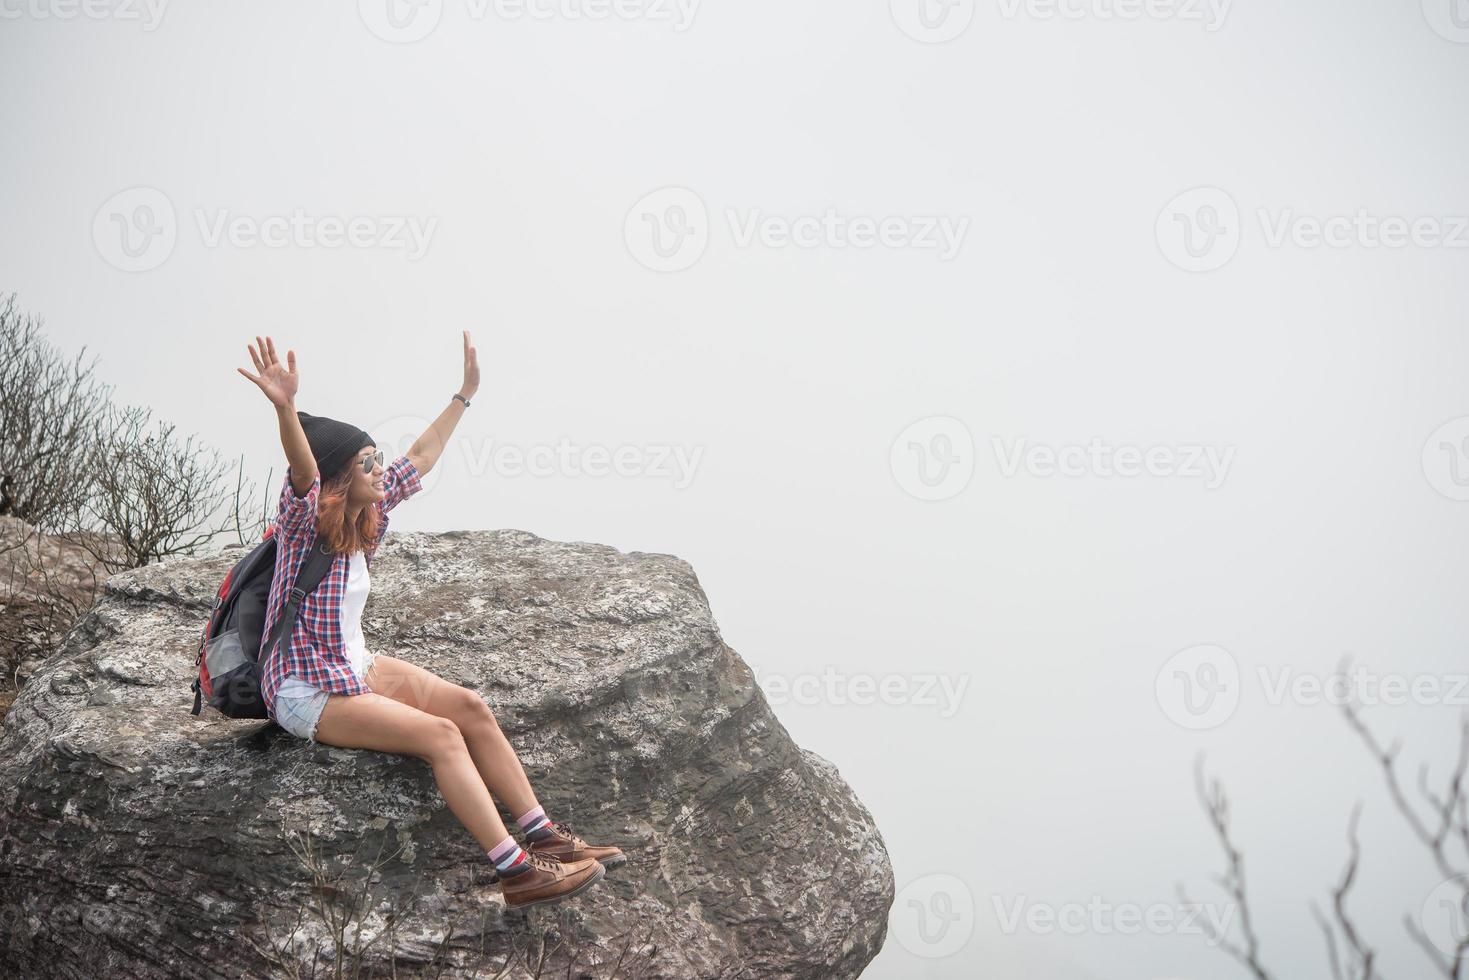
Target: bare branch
[(1216, 805), (1361, 964)]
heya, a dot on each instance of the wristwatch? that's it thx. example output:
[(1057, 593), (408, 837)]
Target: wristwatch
[(462, 398)]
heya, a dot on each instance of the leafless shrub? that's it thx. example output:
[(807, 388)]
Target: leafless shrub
[(1440, 824), (250, 523), (93, 488), (45, 585), (49, 407), (150, 495)]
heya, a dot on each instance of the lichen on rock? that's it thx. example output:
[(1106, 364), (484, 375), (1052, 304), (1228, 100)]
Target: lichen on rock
[(138, 840)]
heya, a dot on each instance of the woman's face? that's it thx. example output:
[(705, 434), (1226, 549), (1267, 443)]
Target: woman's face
[(366, 487)]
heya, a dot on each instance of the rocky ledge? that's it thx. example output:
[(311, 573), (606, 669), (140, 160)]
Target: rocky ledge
[(137, 840)]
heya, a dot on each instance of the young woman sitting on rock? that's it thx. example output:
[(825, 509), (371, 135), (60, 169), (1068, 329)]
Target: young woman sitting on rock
[(322, 683)]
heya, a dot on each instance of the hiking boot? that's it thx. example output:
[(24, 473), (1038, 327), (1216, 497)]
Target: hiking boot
[(548, 881), (565, 846)]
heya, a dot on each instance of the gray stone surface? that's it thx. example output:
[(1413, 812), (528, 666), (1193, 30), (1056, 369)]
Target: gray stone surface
[(140, 841)]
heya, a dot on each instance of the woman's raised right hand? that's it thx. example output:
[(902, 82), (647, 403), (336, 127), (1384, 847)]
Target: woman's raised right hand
[(278, 381)]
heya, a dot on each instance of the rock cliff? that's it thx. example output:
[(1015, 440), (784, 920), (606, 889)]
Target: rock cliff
[(137, 840)]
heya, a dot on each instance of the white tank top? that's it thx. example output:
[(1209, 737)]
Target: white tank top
[(355, 600)]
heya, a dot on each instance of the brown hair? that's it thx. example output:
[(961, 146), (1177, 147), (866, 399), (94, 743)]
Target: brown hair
[(331, 518)]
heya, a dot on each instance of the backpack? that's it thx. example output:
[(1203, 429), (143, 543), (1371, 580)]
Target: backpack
[(230, 651)]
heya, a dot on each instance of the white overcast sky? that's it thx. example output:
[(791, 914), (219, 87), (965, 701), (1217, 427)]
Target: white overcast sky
[(842, 257)]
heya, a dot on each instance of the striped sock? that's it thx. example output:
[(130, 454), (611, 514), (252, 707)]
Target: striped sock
[(508, 858), (535, 824)]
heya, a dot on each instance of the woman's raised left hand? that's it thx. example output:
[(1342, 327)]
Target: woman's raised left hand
[(471, 370)]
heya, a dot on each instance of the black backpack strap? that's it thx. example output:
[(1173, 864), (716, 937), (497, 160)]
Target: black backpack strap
[(318, 563)]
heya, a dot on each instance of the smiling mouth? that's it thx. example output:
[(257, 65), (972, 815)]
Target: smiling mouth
[(377, 486)]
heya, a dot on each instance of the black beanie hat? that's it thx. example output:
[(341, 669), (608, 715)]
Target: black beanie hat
[(333, 443)]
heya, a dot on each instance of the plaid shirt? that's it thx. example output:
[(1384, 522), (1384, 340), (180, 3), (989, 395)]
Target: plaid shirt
[(315, 650)]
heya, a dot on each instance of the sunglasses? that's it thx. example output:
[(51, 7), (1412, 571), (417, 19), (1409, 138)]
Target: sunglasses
[(376, 459)]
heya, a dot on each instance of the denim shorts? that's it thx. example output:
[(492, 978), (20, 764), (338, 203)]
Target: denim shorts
[(299, 716)]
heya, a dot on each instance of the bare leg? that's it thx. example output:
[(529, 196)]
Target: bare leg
[(491, 751), (371, 721)]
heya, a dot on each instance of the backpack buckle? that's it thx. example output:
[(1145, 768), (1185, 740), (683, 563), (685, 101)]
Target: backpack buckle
[(297, 595)]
